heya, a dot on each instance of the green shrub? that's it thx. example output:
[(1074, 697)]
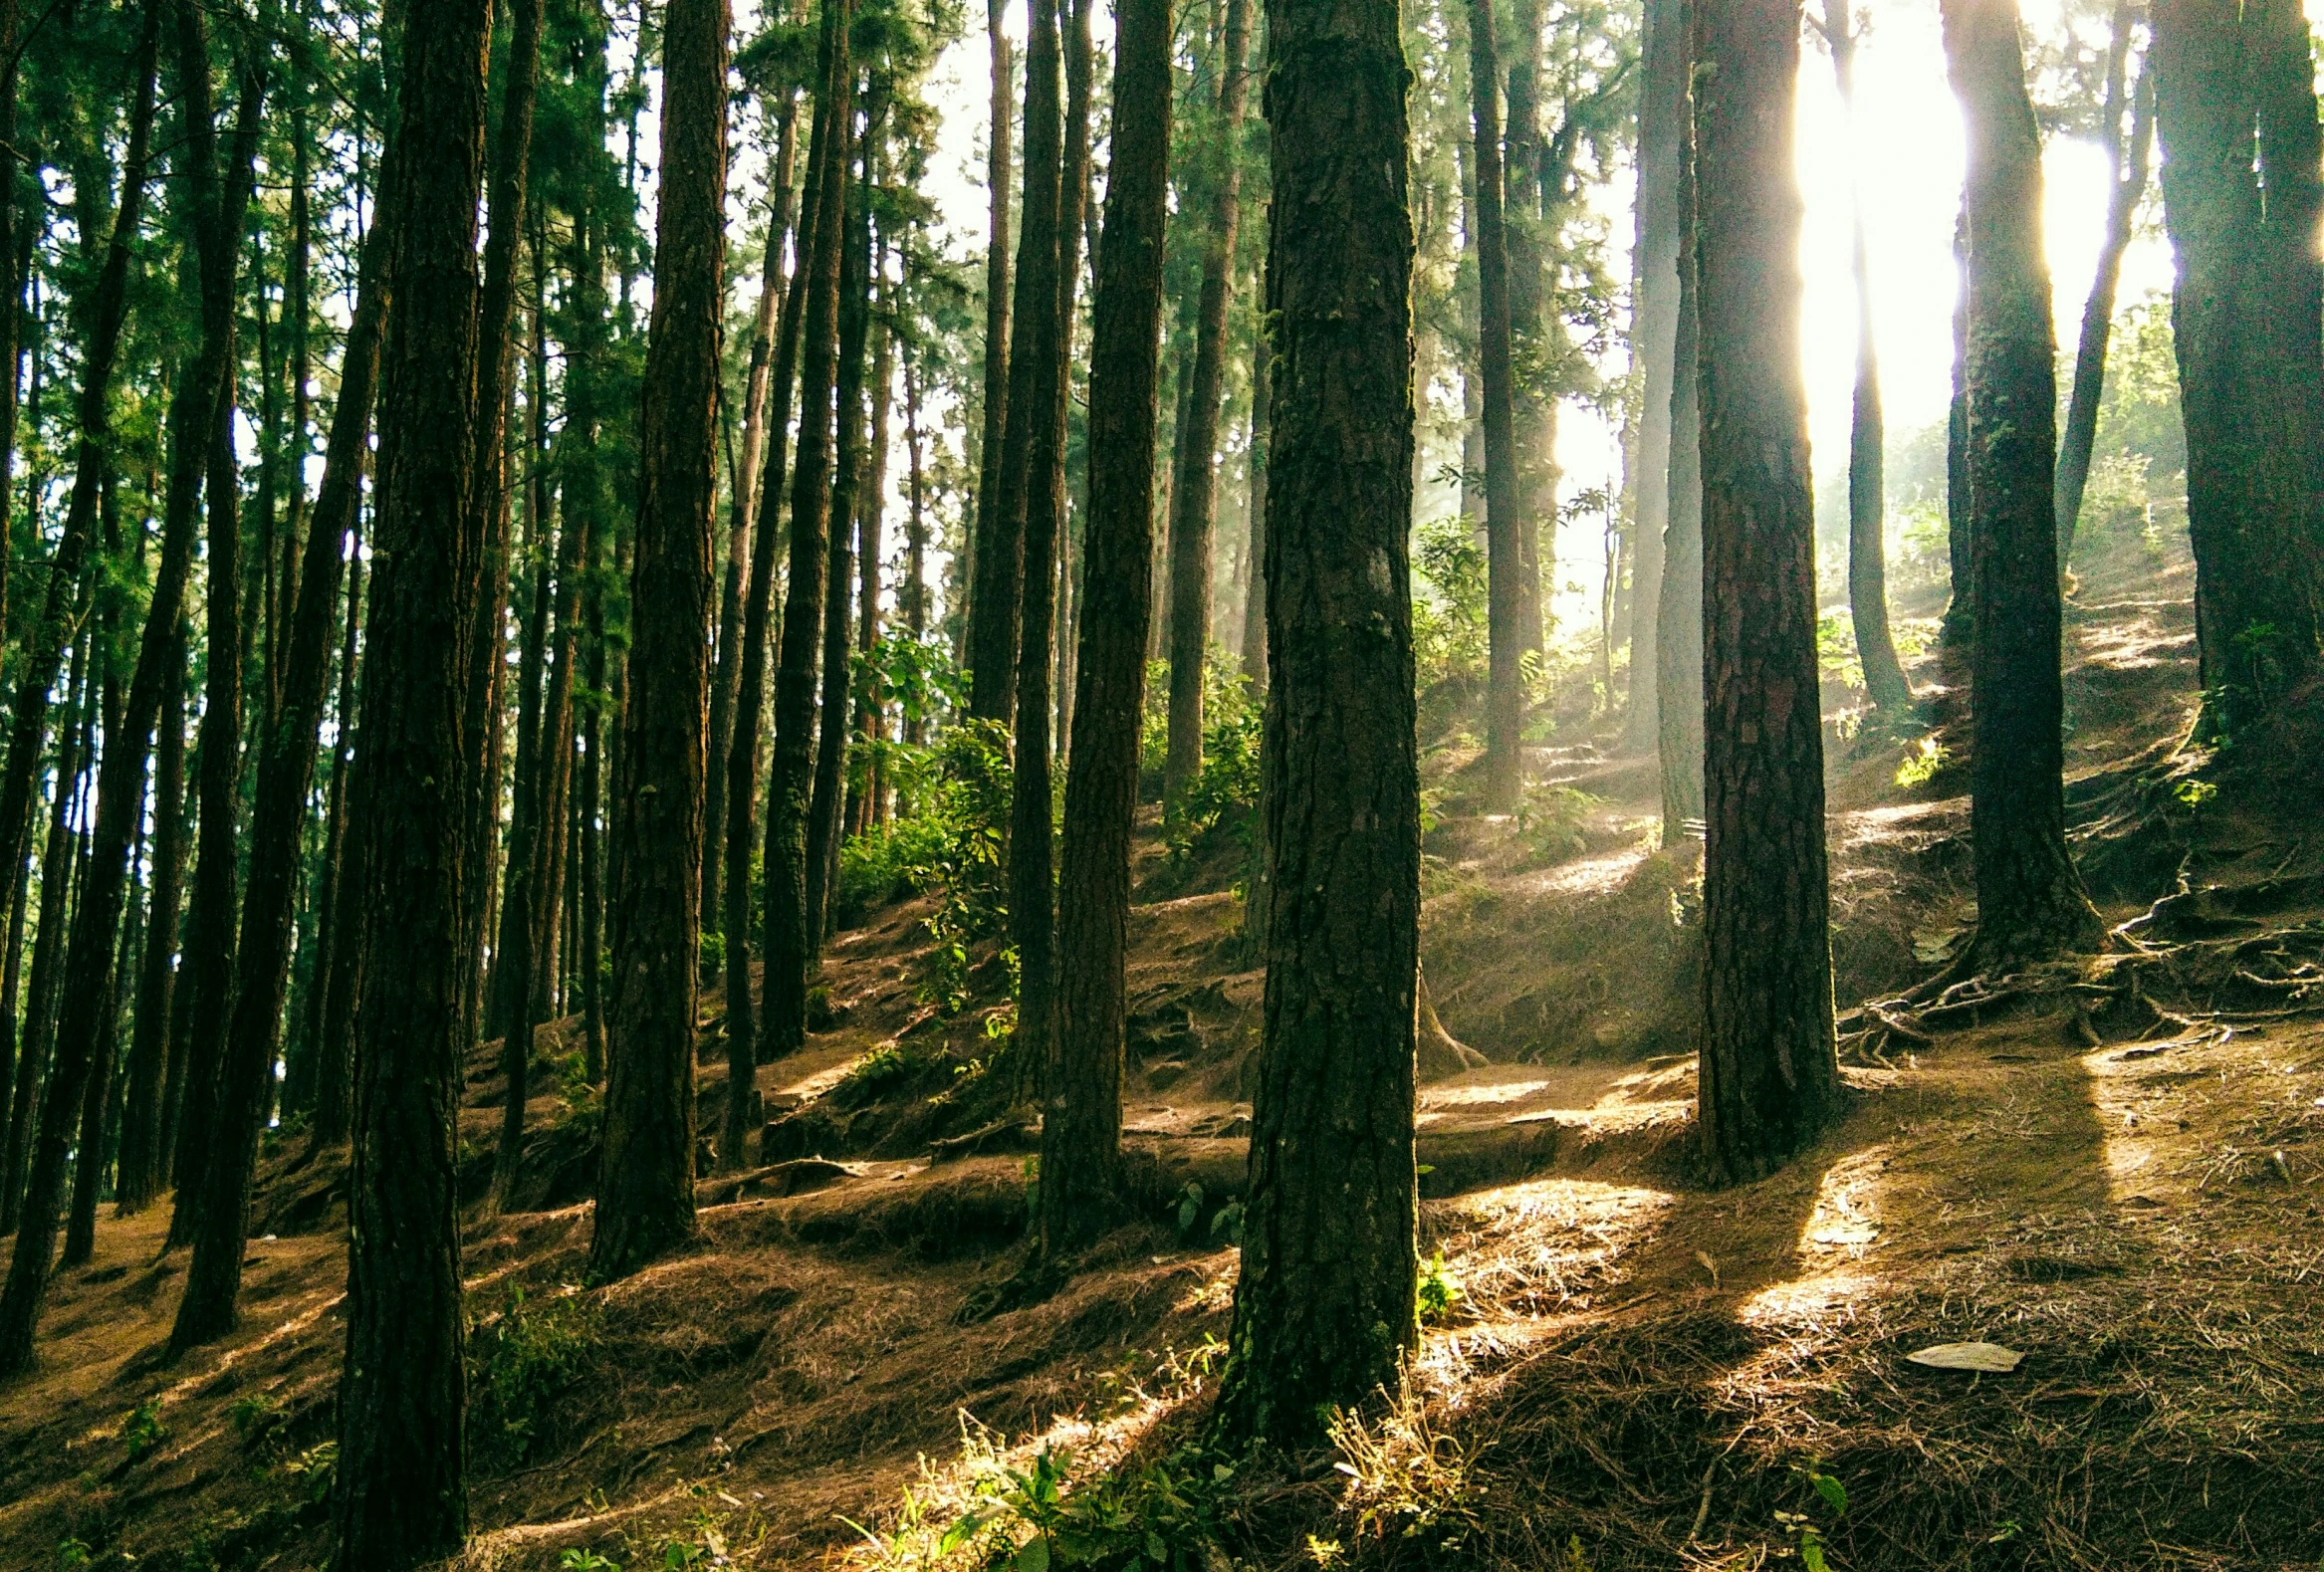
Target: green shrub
[(1224, 794), (142, 1431), (1552, 822), (519, 1362)]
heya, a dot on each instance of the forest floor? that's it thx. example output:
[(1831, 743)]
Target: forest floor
[(2113, 1170)]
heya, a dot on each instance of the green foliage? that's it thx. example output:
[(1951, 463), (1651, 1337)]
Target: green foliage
[(1438, 1290), (581, 1110), (1449, 633), (970, 791), (1188, 1211), (143, 1430), (318, 1465), (1225, 793), (1832, 1496), (1164, 1516), (891, 862), (251, 1415), (577, 1559), (71, 1554), (521, 1360), (1922, 762), (1551, 823)]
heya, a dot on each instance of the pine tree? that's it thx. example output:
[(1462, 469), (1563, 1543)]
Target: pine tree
[(2030, 902), (646, 1190), (1081, 1156), (1324, 1307), (1505, 598), (1770, 1079), (401, 1498)]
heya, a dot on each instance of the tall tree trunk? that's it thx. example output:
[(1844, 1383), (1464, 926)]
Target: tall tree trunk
[(734, 613), (1081, 1156), (489, 509), (1884, 677), (1654, 327), (791, 946), (870, 703), (209, 961), (1255, 555), (402, 1499), (1954, 631), (1534, 408), (139, 1176), (2239, 198), (1505, 568), (1323, 1312), (34, 1071), (995, 602), (1771, 1081), (2126, 167), (1193, 497), (1032, 881), (108, 314), (740, 763), (535, 841), (12, 282), (2030, 903), (286, 772), (327, 1038), (645, 1190), (822, 827), (998, 174)]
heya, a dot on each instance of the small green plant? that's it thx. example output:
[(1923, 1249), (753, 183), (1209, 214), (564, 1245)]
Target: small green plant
[(1224, 796), (520, 1361), (577, 1559), (142, 1431), (2194, 793), (1440, 1290), (1550, 821), (1803, 1527), (71, 1554), (580, 1110), (1922, 762), (250, 1415), (318, 1465)]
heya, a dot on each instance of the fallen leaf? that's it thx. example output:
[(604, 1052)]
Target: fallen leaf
[(1709, 1266), (1969, 1356)]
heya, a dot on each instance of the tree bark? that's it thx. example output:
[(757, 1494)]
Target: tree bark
[(108, 314), (2126, 164), (1032, 883), (1324, 1309), (742, 546), (1505, 568), (1653, 337), (489, 510), (336, 927), (2030, 902), (996, 604), (208, 965), (1081, 1156), (645, 1192), (1193, 495), (56, 870), (739, 827), (139, 1179), (790, 947), (1771, 1081), (402, 1499), (1255, 571), (998, 174), (823, 828), (2239, 199)]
